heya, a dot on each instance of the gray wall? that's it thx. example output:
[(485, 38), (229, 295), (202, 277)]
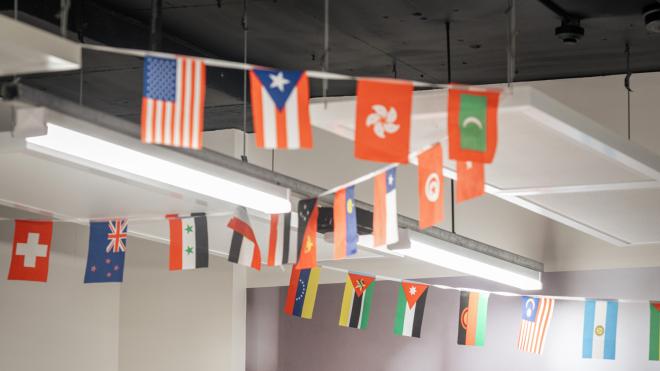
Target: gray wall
[(280, 342)]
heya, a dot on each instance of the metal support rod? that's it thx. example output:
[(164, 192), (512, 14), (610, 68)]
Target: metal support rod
[(326, 48), (244, 24), (626, 83), (512, 33), (64, 16), (298, 188), (451, 181), (155, 31), (558, 10)]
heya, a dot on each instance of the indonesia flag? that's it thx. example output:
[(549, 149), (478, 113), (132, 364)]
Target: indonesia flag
[(280, 109), (385, 224), (244, 249), (173, 101)]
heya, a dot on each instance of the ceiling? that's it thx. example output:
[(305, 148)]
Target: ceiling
[(364, 40)]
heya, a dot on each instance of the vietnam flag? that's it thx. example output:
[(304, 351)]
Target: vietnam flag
[(430, 185), (469, 180), (382, 126), (472, 125)]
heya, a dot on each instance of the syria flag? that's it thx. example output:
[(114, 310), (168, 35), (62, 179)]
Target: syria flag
[(189, 242), (469, 180), (31, 251), (244, 249), (430, 185), (382, 126), (308, 215)]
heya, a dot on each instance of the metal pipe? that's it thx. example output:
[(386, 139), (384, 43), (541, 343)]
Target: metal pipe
[(155, 31)]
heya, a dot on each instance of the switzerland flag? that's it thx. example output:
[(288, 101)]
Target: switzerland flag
[(430, 185), (31, 250), (382, 126)]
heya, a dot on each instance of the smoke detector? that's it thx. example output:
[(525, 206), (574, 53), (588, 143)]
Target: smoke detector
[(652, 18), (570, 31)]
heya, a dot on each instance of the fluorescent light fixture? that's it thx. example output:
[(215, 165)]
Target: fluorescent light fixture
[(460, 259), (92, 151)]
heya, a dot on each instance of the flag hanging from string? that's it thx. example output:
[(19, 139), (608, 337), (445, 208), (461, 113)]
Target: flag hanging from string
[(385, 218), (308, 215), (430, 186), (189, 242), (536, 317), (469, 180), (345, 223), (244, 249), (599, 334), (410, 309), (301, 295), (472, 125), (31, 250), (280, 249), (107, 250), (472, 315), (356, 302)]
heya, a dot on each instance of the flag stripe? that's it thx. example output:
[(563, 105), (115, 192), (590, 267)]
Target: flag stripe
[(473, 303), (235, 247), (654, 336), (380, 210), (304, 124), (401, 306), (280, 125), (310, 295), (272, 243), (366, 306), (201, 241), (339, 220), (178, 115), (292, 130), (188, 97), (269, 119), (462, 331), (610, 329), (176, 259), (480, 335), (419, 315), (257, 109), (188, 241), (356, 311), (286, 238), (195, 130), (346, 303)]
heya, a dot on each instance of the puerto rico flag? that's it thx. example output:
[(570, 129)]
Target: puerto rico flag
[(280, 109), (385, 224), (173, 101), (107, 249)]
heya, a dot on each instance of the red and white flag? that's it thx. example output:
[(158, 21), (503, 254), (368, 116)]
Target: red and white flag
[(382, 125), (536, 317), (280, 109), (244, 249), (430, 186), (31, 251), (470, 181), (173, 101), (385, 222)]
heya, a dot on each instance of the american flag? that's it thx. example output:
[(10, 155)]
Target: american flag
[(173, 101), (536, 316), (280, 109), (117, 236)]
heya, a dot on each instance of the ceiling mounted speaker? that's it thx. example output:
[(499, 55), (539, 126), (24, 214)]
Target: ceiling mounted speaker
[(570, 31), (652, 17)]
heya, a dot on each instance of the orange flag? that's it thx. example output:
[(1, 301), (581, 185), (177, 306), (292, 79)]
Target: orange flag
[(382, 126), (430, 186), (472, 125), (469, 180)]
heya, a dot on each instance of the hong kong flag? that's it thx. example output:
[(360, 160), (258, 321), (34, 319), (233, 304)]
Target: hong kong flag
[(31, 251), (430, 183), (382, 126)]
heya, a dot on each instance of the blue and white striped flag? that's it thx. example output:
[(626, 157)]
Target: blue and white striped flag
[(599, 337)]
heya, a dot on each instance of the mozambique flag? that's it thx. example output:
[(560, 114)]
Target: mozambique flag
[(356, 303), (654, 339), (472, 318), (472, 125), (301, 295), (410, 309)]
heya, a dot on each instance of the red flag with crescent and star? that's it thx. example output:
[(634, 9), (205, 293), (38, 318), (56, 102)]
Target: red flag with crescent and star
[(430, 186)]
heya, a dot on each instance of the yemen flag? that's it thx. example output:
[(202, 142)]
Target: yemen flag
[(599, 335), (345, 223), (308, 215), (301, 295), (244, 249), (356, 303), (410, 309), (189, 242), (472, 125), (472, 318), (654, 339)]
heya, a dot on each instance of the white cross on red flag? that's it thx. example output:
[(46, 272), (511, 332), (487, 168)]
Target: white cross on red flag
[(31, 250)]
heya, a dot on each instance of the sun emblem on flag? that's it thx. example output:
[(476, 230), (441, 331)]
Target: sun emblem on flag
[(309, 244), (117, 236), (599, 330), (383, 120), (464, 318), (349, 206)]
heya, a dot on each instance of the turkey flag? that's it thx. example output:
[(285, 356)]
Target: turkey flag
[(382, 126), (430, 186), (31, 251)]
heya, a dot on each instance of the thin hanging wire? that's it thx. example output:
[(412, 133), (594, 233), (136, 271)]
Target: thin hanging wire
[(395, 72), (65, 5), (512, 33), (244, 23), (326, 50), (16, 9), (626, 83), (82, 78), (451, 181)]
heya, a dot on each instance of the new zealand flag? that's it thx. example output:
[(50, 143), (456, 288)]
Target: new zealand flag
[(107, 248)]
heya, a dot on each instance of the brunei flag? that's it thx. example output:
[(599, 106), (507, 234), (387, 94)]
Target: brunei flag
[(189, 242), (308, 215), (301, 295), (654, 338), (410, 309), (472, 318), (345, 223), (244, 249), (356, 303)]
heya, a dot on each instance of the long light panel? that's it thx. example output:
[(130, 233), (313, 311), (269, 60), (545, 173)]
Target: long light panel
[(90, 150)]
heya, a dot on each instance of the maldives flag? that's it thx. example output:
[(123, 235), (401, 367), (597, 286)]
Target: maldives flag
[(472, 125), (430, 185), (469, 180), (31, 251), (382, 126)]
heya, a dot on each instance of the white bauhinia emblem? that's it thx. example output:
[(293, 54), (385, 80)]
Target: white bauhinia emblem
[(31, 250), (383, 120), (278, 81), (474, 121), (432, 187)]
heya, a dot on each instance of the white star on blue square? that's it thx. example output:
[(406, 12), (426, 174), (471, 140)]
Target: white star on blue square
[(160, 78)]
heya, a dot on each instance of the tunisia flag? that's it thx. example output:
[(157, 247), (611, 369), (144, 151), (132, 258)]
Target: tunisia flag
[(430, 186), (31, 251), (382, 126), (469, 180)]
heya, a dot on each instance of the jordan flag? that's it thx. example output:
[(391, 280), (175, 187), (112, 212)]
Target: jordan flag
[(469, 180), (244, 249), (430, 186), (189, 242), (410, 309), (31, 251), (472, 125), (308, 215), (382, 126)]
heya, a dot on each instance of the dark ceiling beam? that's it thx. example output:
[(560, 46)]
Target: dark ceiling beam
[(558, 10)]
